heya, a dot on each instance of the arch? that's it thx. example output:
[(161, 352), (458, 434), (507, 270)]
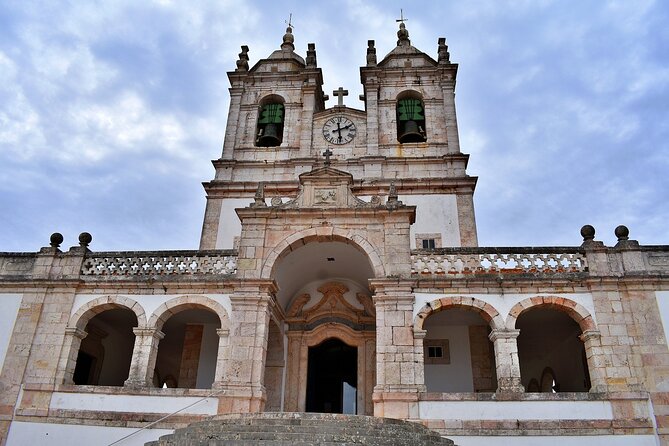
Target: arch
[(573, 309), (96, 306), (173, 306), (270, 121), (410, 113), (487, 311), (331, 234)]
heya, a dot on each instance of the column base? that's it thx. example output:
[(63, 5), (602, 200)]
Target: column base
[(510, 385), (240, 399), (401, 402)]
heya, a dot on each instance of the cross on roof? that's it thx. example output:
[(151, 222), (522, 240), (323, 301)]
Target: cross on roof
[(290, 20), (340, 93), (401, 19), (327, 154)]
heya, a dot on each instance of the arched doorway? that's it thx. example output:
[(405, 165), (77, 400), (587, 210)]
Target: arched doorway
[(332, 378), (326, 300)]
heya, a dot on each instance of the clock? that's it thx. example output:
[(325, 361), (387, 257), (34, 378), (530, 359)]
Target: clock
[(339, 130)]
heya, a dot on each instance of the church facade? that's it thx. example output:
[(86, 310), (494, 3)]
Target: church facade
[(339, 272)]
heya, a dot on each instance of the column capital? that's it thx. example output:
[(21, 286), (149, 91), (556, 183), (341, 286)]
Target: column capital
[(76, 332), (505, 333), (143, 331), (590, 335), (223, 332), (419, 333)]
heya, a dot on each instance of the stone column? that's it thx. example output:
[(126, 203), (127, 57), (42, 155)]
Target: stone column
[(70, 352), (144, 355), (399, 370), (242, 389), (506, 360), (452, 137), (592, 339), (219, 375)]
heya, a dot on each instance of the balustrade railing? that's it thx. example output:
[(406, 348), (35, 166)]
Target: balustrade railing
[(163, 263), (464, 261)]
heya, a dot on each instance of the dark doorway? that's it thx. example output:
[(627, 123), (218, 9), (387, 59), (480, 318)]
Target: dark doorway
[(332, 378)]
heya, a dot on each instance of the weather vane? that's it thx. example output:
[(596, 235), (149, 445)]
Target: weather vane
[(290, 20), (401, 19)]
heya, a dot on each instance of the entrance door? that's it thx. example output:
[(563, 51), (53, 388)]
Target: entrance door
[(332, 378)]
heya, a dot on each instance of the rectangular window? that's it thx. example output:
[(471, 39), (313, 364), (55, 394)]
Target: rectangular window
[(436, 351), (429, 243)]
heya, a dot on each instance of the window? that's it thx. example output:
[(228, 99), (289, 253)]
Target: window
[(410, 120), (429, 241), (436, 351), (269, 132)]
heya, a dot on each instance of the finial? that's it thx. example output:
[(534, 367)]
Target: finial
[(288, 38), (311, 55), (622, 232), (393, 201), (340, 93), (56, 239), (588, 233), (85, 239), (243, 62), (371, 54), (327, 154), (443, 56), (259, 197), (402, 34)]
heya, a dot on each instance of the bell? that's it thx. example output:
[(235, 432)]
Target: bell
[(269, 136), (412, 133)]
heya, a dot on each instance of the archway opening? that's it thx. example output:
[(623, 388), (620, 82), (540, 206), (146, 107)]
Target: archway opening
[(106, 352), (458, 355), (187, 354), (552, 357), (332, 378)]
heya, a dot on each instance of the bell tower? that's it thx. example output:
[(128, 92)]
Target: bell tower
[(405, 138)]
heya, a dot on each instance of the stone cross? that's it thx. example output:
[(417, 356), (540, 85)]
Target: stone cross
[(340, 93), (401, 19), (327, 154)]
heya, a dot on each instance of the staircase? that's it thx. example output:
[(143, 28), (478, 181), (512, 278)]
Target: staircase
[(301, 429)]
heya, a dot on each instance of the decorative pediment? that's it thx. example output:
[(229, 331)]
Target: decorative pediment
[(325, 187), (332, 306)]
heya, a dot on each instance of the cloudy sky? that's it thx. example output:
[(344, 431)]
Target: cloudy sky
[(111, 112)]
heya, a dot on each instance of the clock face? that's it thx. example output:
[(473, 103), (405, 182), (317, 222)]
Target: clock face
[(339, 130)]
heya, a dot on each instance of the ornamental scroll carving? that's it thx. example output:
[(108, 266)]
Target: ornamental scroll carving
[(332, 304)]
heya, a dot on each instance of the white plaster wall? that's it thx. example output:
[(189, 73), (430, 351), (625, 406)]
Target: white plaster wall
[(662, 298), (206, 367), (589, 440), (24, 433), (456, 376), (150, 302), (515, 410), (9, 309), (138, 403), (504, 302), (229, 225), (435, 214)]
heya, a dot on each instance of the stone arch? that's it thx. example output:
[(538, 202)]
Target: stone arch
[(173, 306), (331, 234), (487, 311), (573, 309), (94, 307)]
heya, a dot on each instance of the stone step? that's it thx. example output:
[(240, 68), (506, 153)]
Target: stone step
[(301, 429)]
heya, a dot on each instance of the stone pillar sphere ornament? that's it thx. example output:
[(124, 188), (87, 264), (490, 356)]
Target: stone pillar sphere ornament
[(56, 239), (85, 239), (622, 232), (588, 232)]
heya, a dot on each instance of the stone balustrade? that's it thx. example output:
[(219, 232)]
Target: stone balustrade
[(161, 263), (465, 261)]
